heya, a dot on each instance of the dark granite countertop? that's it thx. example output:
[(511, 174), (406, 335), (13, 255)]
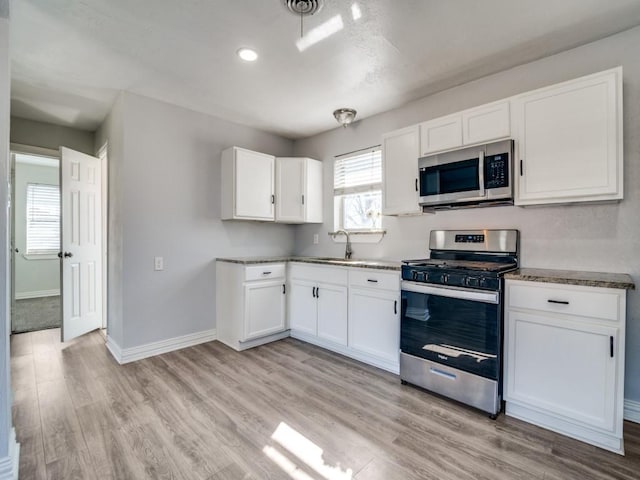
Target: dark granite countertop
[(339, 262), (571, 277)]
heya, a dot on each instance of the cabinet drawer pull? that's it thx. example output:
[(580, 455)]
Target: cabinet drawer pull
[(317, 292), (284, 289), (372, 280), (521, 167), (611, 346), (266, 273), (395, 307), (303, 199), (416, 184), (313, 292), (273, 199), (559, 302)]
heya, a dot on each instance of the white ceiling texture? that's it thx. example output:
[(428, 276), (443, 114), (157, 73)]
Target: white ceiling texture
[(70, 58)]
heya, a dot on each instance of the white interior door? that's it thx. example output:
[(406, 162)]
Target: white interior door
[(81, 188)]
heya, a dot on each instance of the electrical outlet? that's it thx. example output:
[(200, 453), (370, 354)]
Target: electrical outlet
[(158, 263), (315, 239)]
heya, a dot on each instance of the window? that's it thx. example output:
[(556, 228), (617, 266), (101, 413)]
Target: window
[(43, 219), (357, 190)]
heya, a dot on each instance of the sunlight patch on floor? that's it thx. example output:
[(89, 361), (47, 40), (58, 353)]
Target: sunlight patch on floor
[(305, 451)]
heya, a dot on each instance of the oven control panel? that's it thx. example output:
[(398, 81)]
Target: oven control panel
[(469, 238), (450, 278)]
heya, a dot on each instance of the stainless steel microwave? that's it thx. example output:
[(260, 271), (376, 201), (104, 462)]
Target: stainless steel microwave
[(473, 176)]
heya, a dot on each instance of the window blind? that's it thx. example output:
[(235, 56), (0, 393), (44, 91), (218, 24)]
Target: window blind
[(43, 219), (358, 172)]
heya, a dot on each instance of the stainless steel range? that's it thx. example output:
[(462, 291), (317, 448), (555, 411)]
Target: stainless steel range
[(452, 315)]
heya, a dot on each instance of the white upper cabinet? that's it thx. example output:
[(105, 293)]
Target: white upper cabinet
[(477, 125), (486, 123), (247, 186), (400, 152), (440, 134), (569, 141), (298, 190)]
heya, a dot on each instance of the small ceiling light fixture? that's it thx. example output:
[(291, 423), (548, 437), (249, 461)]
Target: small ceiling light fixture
[(247, 54), (345, 116), (303, 8)]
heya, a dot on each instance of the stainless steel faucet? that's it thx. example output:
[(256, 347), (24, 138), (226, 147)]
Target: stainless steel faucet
[(348, 251)]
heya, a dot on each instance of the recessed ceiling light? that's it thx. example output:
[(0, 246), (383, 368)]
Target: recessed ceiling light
[(247, 54)]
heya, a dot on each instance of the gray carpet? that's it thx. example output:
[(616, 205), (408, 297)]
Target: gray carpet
[(36, 314)]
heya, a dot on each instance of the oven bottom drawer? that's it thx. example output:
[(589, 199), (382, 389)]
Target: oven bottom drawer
[(479, 392)]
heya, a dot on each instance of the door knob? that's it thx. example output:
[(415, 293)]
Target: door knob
[(68, 254)]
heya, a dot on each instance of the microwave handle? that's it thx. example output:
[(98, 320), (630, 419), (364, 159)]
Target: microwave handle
[(482, 192)]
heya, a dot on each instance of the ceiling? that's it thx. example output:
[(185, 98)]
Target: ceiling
[(71, 58)]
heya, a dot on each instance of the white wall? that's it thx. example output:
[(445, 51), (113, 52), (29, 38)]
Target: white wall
[(35, 274), (165, 201), (6, 442), (582, 237), (48, 135)]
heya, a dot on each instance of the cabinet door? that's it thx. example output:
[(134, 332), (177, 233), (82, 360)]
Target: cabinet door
[(290, 180), (254, 185), (400, 152), (303, 310), (332, 313), (570, 141), (564, 367), (264, 308), (441, 134), (374, 322), (313, 191), (486, 123)]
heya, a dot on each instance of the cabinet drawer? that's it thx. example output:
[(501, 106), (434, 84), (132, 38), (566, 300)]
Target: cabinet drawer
[(318, 273), (264, 271), (585, 301), (374, 279)]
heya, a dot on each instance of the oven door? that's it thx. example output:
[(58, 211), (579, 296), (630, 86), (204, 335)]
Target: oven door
[(457, 327)]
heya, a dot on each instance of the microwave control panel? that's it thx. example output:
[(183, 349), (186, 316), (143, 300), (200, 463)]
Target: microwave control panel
[(496, 170)]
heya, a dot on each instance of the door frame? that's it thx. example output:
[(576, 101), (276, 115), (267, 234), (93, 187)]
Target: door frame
[(102, 155)]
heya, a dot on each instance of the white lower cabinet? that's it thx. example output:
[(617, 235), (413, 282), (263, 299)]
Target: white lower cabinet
[(332, 312), (564, 365), (250, 304), (374, 323), (352, 311)]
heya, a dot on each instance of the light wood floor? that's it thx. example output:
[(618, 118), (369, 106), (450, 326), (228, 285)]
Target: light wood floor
[(284, 410)]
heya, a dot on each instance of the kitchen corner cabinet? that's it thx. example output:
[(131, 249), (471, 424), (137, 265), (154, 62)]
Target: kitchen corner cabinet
[(400, 152), (247, 185), (250, 304), (374, 315), (564, 362), (318, 302), (298, 197), (476, 125), (569, 141)]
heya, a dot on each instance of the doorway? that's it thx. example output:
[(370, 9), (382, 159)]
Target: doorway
[(35, 239), (58, 240)]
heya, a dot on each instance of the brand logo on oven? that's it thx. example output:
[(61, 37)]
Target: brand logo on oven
[(443, 357)]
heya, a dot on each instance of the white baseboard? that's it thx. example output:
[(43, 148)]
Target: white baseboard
[(37, 294), (127, 355), (632, 411), (9, 464)]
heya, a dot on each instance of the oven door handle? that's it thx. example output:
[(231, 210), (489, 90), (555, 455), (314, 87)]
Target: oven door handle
[(452, 292)]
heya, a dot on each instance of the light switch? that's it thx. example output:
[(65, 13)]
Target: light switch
[(158, 263), (315, 239)]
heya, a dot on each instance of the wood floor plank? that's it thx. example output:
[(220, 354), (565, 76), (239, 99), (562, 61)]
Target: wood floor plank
[(75, 466), (32, 464), (21, 345), (282, 410), (61, 431)]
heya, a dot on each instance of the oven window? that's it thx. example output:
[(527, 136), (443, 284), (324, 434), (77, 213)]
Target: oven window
[(463, 334), (450, 178)]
